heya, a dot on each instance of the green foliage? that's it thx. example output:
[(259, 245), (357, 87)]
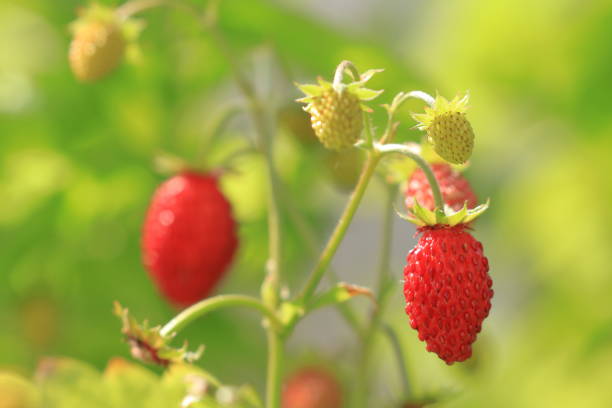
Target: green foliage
[(65, 383), (76, 174)]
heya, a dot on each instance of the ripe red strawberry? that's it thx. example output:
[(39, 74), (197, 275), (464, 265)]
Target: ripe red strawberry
[(448, 290), (455, 189), (189, 237), (312, 387)]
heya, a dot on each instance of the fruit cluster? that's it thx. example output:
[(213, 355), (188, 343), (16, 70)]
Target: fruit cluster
[(189, 238)]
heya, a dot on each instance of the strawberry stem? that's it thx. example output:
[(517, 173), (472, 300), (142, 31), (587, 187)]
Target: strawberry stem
[(414, 155), (217, 302), (344, 66), (340, 230)]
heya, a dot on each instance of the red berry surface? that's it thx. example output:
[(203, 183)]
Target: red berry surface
[(189, 237), (455, 189), (448, 290), (312, 387)]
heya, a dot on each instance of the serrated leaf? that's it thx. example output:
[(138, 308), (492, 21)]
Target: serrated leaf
[(338, 294)]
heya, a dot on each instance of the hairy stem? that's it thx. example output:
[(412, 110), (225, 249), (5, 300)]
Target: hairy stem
[(414, 155), (264, 141), (208, 305), (341, 227)]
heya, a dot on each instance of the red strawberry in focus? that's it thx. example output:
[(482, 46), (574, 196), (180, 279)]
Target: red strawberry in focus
[(312, 388), (189, 237), (448, 290), (455, 189)]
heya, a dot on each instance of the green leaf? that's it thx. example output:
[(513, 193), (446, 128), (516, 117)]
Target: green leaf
[(128, 384), (338, 294), (65, 382)]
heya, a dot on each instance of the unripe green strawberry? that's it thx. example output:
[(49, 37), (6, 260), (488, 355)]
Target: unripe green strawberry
[(336, 110), (98, 44), (336, 118), (448, 130)]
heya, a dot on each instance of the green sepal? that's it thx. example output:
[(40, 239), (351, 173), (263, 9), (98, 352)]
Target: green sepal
[(423, 217), (338, 294), (309, 89), (147, 344), (366, 94)]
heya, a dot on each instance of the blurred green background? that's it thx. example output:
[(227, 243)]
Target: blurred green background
[(76, 176)]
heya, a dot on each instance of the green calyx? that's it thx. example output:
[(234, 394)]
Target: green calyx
[(148, 345), (423, 217), (313, 91)]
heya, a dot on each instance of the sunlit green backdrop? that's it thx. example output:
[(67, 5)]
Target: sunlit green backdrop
[(76, 175)]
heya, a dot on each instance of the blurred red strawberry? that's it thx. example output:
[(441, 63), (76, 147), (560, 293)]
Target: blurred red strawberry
[(189, 237), (455, 189), (312, 387)]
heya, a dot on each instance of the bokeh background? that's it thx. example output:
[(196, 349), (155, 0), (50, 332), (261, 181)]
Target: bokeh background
[(76, 175)]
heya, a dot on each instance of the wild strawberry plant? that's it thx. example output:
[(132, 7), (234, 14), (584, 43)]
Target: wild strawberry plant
[(189, 235)]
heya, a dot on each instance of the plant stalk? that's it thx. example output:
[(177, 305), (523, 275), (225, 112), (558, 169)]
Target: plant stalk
[(363, 377), (208, 305), (414, 155), (340, 230)]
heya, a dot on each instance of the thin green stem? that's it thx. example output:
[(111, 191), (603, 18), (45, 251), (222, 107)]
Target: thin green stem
[(208, 305), (413, 153), (341, 69), (275, 369), (264, 140), (306, 233), (399, 358), (361, 391), (341, 227)]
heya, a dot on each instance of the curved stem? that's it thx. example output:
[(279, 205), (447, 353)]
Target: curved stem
[(341, 68), (425, 97), (208, 305), (414, 155), (341, 227)]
